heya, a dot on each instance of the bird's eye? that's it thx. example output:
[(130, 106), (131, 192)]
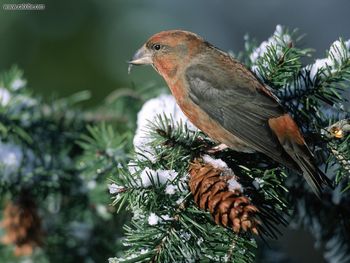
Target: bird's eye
[(156, 47)]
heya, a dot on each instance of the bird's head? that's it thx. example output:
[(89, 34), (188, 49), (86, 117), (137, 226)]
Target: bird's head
[(168, 51)]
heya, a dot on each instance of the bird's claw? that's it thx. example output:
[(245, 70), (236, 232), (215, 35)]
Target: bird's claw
[(217, 148)]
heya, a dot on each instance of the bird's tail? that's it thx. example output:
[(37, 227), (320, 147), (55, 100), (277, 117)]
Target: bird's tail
[(312, 174), (299, 155)]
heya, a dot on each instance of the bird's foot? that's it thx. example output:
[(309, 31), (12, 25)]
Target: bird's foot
[(217, 148)]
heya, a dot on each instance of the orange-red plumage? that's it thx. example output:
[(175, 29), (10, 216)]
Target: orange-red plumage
[(225, 100), (285, 128)]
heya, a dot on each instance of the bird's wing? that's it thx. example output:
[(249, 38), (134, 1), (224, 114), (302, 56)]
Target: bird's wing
[(235, 101)]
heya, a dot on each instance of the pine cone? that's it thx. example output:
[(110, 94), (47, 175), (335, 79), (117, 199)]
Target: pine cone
[(22, 226), (212, 192)]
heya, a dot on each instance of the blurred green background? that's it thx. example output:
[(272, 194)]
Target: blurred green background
[(84, 45)]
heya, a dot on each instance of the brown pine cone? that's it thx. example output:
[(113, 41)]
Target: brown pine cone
[(22, 226), (217, 191)]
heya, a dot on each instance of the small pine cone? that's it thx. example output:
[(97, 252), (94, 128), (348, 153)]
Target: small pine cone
[(213, 192), (338, 130), (22, 226)]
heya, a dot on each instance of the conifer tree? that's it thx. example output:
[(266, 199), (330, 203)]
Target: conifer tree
[(69, 178)]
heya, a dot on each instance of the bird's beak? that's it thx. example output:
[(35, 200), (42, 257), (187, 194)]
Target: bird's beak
[(142, 57)]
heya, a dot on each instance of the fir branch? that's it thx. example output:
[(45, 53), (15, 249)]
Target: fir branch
[(341, 153), (280, 68), (177, 136), (104, 150), (320, 82), (41, 138), (144, 189), (38, 153), (278, 59), (268, 196)]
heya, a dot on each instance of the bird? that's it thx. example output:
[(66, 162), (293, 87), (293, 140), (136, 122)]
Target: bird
[(225, 100)]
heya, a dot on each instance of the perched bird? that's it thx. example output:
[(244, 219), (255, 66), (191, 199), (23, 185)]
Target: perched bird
[(226, 101)]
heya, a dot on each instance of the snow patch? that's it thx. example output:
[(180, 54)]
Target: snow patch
[(163, 104), (216, 163), (170, 189), (234, 185), (159, 177), (153, 219), (258, 182), (278, 39), (18, 84), (11, 157), (5, 97), (335, 56), (114, 188)]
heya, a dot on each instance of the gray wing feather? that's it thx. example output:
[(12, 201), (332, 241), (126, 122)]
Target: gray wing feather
[(244, 111)]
